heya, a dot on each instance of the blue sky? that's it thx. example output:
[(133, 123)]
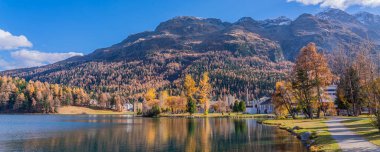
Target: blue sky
[(57, 29)]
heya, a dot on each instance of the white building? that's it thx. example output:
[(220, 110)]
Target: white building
[(128, 106), (261, 106), (94, 102), (330, 91), (266, 106)]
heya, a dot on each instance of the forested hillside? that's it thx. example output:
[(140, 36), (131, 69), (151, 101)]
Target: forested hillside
[(246, 55), (18, 95)]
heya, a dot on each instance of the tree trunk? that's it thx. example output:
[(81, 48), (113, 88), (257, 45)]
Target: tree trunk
[(319, 112), (292, 113), (369, 109), (309, 112)]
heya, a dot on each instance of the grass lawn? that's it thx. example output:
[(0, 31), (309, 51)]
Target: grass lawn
[(363, 126), (240, 115), (84, 110), (318, 128)]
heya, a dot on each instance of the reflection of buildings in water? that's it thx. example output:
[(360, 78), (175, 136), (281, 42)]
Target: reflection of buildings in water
[(128, 128)]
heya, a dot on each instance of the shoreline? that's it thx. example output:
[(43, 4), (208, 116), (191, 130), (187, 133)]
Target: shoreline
[(307, 143), (217, 115), (258, 117), (78, 110), (313, 133)]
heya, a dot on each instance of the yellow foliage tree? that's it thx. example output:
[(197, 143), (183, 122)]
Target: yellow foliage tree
[(164, 98), (103, 99), (282, 100), (19, 101), (204, 91), (150, 97), (190, 87), (176, 104)]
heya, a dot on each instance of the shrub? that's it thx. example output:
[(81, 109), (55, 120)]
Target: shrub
[(235, 108), (139, 112), (154, 112), (239, 106), (242, 107), (376, 119), (191, 107)]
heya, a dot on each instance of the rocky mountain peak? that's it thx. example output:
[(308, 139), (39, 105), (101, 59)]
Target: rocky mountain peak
[(367, 18), (282, 20), (336, 15), (308, 19), (188, 25), (248, 22)]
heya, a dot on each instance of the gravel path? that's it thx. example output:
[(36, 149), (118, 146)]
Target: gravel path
[(349, 141)]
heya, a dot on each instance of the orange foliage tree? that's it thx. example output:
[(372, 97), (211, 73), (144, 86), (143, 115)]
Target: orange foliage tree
[(310, 76)]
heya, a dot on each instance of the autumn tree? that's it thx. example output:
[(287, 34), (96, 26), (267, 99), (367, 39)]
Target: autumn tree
[(164, 95), (375, 89), (361, 60), (283, 100), (204, 91), (177, 104), (150, 97), (220, 106), (67, 98), (171, 103), (189, 85), (365, 67), (118, 103), (349, 91), (19, 101), (369, 82), (103, 99), (190, 89), (310, 76), (49, 103), (80, 97)]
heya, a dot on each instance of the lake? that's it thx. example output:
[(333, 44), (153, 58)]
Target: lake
[(80, 133)]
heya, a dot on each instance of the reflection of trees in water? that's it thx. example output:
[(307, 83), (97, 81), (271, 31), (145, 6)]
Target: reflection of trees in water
[(240, 127), (169, 134), (191, 127)]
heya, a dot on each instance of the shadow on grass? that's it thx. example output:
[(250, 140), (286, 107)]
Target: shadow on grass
[(363, 127)]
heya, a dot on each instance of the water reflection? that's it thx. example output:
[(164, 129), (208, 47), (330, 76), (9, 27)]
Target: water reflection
[(240, 127), (120, 133)]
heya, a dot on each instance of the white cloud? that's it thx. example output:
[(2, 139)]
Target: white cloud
[(22, 57), (31, 58), (340, 4), (10, 42)]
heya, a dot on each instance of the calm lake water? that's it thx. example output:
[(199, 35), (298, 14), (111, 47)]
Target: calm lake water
[(126, 133)]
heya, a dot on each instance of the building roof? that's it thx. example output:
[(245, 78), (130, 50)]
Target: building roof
[(266, 102)]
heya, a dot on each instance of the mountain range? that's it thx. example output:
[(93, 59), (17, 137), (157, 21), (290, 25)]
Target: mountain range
[(245, 55)]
